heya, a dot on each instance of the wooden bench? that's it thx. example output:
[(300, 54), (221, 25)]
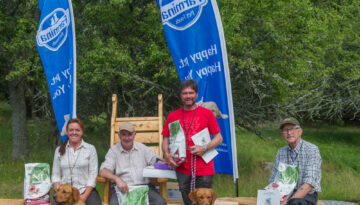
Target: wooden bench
[(219, 201), (11, 201), (242, 201), (21, 202)]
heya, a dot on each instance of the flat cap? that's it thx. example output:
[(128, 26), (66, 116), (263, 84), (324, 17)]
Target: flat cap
[(289, 120), (127, 126)]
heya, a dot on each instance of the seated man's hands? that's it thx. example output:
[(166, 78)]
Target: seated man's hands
[(123, 187), (275, 185)]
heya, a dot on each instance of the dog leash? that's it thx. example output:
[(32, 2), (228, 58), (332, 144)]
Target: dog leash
[(193, 172), (193, 157)]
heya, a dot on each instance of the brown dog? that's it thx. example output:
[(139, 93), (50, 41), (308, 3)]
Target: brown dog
[(203, 196), (68, 195)]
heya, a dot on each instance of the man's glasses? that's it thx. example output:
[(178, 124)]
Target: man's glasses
[(290, 130)]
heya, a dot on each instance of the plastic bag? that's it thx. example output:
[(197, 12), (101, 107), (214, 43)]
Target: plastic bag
[(37, 183), (285, 180), (40, 200), (137, 195), (177, 141)]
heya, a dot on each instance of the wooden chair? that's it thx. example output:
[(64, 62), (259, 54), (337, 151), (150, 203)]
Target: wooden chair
[(148, 132)]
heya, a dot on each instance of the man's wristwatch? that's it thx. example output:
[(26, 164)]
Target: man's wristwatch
[(206, 148)]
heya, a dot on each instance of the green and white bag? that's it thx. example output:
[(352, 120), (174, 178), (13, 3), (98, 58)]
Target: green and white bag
[(177, 141), (37, 182), (138, 195), (286, 179)]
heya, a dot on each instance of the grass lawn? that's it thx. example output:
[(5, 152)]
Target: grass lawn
[(339, 147)]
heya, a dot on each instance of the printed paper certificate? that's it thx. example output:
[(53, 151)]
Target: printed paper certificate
[(202, 138)]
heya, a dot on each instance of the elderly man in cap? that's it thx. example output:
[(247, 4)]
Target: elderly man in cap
[(124, 164), (306, 157)]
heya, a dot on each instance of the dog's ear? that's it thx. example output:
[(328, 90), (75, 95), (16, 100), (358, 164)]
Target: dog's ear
[(213, 196), (192, 196), (75, 193)]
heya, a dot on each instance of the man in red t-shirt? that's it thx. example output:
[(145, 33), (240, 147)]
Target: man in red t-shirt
[(193, 119)]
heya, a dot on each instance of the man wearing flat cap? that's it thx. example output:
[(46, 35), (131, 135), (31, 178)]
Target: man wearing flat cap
[(306, 157), (124, 164)]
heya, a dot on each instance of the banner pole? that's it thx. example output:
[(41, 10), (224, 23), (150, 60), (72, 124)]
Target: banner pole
[(74, 60), (228, 91), (237, 187)]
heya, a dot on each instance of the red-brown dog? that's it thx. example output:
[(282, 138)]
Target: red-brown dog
[(203, 196), (68, 195)]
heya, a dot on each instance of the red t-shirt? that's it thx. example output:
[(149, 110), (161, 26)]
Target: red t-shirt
[(203, 118)]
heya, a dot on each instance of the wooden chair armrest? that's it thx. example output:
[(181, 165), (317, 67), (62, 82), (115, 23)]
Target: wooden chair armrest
[(100, 179), (106, 188)]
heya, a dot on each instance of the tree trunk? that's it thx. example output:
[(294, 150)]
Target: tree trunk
[(18, 120)]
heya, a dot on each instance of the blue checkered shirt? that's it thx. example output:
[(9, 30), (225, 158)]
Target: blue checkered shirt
[(306, 157)]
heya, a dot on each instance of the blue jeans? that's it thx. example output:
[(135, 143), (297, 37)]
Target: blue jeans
[(184, 184)]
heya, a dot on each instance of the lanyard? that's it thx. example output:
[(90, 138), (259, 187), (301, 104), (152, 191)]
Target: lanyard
[(192, 119), (71, 168)]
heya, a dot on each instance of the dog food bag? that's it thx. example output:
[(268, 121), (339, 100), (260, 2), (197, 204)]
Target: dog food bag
[(177, 141), (138, 195), (37, 183), (286, 180)]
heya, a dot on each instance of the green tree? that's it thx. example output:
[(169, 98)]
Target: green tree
[(122, 50), (293, 58), (18, 62)]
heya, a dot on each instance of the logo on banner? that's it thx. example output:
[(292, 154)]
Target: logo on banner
[(53, 29), (181, 14)]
